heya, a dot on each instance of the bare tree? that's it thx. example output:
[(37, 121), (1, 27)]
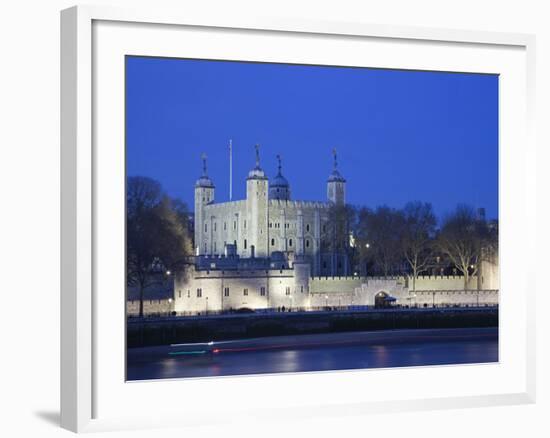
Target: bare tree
[(462, 238), (157, 239), (335, 238), (418, 230), (379, 238)]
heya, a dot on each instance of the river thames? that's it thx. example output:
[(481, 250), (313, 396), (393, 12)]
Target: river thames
[(339, 351)]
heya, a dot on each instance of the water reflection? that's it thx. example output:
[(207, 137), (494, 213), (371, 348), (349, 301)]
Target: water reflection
[(155, 363)]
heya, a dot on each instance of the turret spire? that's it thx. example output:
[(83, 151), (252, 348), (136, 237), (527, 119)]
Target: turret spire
[(279, 166), (203, 158), (257, 147), (336, 186)]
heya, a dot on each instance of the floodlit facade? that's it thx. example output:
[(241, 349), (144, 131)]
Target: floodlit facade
[(266, 252), (268, 221)]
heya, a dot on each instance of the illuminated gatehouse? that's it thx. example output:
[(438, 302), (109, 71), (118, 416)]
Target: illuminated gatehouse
[(268, 251)]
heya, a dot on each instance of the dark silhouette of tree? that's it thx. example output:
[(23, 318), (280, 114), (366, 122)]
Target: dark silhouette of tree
[(335, 238), (464, 237), (419, 223), (378, 235), (157, 237)]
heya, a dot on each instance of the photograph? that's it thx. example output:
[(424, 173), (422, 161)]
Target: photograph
[(290, 218)]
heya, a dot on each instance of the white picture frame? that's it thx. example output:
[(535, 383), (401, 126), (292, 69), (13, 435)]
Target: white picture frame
[(82, 371)]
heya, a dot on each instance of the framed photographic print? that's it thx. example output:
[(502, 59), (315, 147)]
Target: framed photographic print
[(257, 208)]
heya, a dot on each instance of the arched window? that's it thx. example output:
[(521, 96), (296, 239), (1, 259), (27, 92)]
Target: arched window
[(289, 242), (307, 243), (272, 242), (307, 227), (244, 243)]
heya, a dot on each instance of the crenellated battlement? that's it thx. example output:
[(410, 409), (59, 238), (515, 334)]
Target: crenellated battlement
[(299, 204)]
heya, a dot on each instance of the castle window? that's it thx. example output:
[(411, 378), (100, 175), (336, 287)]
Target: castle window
[(270, 225), (214, 247), (272, 242), (199, 293), (245, 223), (289, 242), (287, 290), (244, 243), (302, 289), (234, 225), (179, 294), (226, 292), (205, 228), (215, 226), (205, 247), (225, 225), (307, 243), (262, 291), (245, 292), (307, 227)]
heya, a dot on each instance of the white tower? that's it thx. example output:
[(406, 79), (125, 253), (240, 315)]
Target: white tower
[(257, 210), (204, 195), (336, 185)]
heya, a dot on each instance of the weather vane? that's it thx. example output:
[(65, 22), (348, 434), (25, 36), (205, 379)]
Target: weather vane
[(203, 158), (279, 160), (335, 158), (257, 146)]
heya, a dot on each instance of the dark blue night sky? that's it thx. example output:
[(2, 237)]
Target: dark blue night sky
[(400, 135)]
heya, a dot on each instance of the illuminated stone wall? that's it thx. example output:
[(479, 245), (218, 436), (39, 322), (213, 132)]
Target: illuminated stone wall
[(199, 291), (292, 227), (150, 307)]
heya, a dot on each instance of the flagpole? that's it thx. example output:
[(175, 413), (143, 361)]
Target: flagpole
[(230, 169)]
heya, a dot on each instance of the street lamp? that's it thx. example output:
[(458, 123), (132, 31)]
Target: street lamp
[(168, 273)]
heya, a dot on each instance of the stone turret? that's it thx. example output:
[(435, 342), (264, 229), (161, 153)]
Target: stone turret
[(279, 187), (336, 184), (204, 195), (257, 210)]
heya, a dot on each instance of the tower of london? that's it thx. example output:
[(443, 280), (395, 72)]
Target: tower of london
[(269, 223), (269, 251)]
